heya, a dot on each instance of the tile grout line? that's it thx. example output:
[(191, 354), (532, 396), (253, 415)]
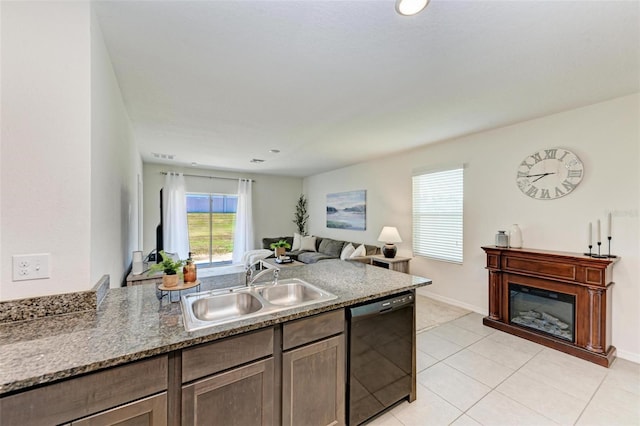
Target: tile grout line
[(495, 389), (465, 374), (591, 398), (520, 368), (514, 372), (558, 388)]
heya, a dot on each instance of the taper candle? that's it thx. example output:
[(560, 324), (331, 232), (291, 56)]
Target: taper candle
[(598, 232), (609, 225), (590, 237)]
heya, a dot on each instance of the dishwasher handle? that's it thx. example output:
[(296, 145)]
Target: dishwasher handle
[(382, 307)]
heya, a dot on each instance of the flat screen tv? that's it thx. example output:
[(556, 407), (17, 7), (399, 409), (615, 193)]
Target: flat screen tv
[(159, 245)]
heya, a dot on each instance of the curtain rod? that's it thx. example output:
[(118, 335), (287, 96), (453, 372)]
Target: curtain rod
[(208, 177)]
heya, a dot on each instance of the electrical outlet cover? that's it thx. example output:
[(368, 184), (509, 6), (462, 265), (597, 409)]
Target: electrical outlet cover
[(31, 266)]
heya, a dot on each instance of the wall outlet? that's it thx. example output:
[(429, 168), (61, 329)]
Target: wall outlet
[(31, 266)]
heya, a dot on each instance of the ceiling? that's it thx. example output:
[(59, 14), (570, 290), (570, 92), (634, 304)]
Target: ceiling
[(333, 83)]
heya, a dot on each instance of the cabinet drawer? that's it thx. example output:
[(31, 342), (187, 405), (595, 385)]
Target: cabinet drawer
[(211, 358), (307, 330), (75, 398)]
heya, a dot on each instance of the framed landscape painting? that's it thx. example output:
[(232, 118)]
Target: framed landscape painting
[(347, 210)]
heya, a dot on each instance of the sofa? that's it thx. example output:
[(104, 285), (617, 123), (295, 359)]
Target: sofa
[(326, 248)]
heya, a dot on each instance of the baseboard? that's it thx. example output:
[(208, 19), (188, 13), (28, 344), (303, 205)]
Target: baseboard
[(629, 356), (453, 302)]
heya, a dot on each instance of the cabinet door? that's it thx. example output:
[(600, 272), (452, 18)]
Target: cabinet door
[(243, 396), (313, 384), (150, 411)]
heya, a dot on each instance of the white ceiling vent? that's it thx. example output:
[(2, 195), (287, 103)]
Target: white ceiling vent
[(163, 156)]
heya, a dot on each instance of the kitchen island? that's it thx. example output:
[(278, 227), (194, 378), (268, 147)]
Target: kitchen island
[(132, 325)]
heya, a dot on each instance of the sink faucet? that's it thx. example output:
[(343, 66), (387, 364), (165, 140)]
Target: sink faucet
[(265, 268)]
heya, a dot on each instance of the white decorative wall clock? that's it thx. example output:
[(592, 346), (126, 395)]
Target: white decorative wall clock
[(549, 174)]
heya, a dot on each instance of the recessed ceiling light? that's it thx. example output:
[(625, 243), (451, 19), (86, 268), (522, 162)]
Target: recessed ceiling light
[(274, 151), (410, 7), (257, 160)]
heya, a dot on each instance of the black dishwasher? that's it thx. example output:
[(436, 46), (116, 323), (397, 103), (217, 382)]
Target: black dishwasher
[(380, 356)]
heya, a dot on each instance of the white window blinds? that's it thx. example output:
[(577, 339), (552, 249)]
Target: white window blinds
[(437, 214)]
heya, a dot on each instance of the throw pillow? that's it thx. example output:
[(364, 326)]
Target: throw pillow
[(308, 244), (330, 247), (359, 252), (347, 251), (297, 241)]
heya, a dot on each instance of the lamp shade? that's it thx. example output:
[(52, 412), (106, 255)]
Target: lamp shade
[(410, 7), (389, 234)]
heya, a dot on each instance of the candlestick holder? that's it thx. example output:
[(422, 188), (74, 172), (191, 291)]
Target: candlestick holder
[(609, 255), (599, 256), (589, 254)]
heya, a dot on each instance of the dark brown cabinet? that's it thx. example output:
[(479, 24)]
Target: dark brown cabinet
[(150, 411), (116, 394), (313, 388), (243, 396), (313, 374), (290, 374), (229, 382)]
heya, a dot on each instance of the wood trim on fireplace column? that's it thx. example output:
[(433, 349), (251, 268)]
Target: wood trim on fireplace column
[(495, 299), (595, 319)]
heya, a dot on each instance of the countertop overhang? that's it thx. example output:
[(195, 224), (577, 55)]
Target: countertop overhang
[(132, 324)]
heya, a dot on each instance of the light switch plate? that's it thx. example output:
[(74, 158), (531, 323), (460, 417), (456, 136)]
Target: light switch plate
[(31, 266)]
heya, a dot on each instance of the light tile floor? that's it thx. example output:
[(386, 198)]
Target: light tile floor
[(469, 374)]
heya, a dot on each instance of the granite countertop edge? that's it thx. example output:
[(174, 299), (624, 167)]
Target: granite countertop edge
[(13, 385)]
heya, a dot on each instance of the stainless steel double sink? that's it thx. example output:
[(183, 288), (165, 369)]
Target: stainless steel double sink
[(206, 309)]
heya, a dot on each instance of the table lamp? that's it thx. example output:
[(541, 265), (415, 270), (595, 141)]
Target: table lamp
[(388, 236)]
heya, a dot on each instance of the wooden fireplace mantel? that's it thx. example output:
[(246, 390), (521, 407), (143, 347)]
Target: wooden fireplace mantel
[(586, 278)]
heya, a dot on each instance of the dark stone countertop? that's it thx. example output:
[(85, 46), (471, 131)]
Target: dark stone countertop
[(132, 324)]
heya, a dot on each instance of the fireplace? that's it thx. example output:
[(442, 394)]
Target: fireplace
[(543, 311), (558, 299)]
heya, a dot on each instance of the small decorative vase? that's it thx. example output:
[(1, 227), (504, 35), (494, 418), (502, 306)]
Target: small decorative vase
[(515, 236), (190, 272), (280, 251), (502, 239), (170, 280)]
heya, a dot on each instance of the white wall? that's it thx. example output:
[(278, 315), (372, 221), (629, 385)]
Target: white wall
[(605, 136), (274, 199), (69, 165), (45, 141), (115, 167)]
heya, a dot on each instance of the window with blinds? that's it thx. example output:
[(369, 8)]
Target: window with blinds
[(437, 214)]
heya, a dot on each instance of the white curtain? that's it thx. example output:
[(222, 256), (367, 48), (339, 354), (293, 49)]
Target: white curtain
[(243, 235), (175, 230)]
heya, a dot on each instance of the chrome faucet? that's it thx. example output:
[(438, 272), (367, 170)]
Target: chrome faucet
[(265, 268)]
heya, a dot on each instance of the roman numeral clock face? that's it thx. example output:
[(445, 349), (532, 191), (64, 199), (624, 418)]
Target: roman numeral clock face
[(549, 174)]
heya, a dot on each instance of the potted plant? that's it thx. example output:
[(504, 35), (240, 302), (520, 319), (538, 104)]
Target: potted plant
[(172, 269), (301, 216), (280, 247)]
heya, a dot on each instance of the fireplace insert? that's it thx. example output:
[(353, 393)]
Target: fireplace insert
[(542, 310)]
